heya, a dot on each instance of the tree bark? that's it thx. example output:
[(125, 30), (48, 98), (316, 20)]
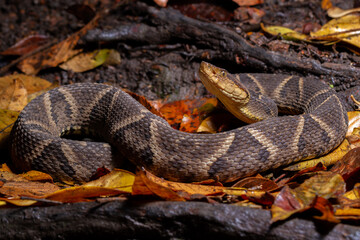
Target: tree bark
[(160, 220)]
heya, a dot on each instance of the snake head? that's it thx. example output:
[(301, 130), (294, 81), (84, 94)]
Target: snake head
[(222, 84), (235, 96)]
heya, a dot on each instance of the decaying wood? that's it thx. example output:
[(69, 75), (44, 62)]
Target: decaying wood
[(159, 220), (164, 25)]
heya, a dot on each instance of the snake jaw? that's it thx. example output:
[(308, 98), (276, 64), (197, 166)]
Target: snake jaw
[(223, 84)]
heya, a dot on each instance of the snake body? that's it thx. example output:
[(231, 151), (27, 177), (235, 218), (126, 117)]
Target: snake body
[(124, 125)]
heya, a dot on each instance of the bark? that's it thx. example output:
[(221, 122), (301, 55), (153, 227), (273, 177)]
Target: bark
[(160, 220), (166, 25)]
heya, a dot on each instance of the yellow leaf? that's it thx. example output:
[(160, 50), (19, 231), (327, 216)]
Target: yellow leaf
[(327, 160), (14, 96), (345, 29), (37, 176), (348, 212), (119, 179), (7, 118), (20, 202), (2, 203), (87, 61), (335, 12), (285, 33), (31, 83)]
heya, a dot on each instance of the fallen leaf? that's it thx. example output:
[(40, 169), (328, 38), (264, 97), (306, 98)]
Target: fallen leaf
[(119, 179), (335, 12), (345, 29), (161, 3), (348, 213), (26, 45), (185, 115), (326, 4), (354, 122), (81, 194), (289, 201), (285, 33), (87, 61), (16, 186), (349, 167), (31, 83), (248, 2), (160, 190), (57, 54), (256, 183), (37, 176), (14, 96), (327, 160)]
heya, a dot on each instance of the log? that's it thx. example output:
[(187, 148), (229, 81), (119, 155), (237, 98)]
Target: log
[(137, 219)]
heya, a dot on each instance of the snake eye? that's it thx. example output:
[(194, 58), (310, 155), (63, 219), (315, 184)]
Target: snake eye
[(223, 73)]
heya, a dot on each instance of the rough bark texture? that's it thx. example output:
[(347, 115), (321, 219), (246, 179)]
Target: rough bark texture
[(159, 220), (165, 25)]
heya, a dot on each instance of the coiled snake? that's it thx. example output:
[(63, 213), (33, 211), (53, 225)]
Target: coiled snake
[(149, 141)]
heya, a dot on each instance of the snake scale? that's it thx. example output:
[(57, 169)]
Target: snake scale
[(147, 140)]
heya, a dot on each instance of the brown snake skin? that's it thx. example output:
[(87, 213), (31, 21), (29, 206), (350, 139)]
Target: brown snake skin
[(149, 142)]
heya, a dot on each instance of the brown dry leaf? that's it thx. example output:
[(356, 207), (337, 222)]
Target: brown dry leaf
[(26, 45), (289, 201), (161, 3), (4, 168), (81, 194), (349, 167), (14, 96), (242, 3), (57, 54), (160, 190), (16, 186), (185, 187), (256, 183), (327, 160), (87, 61), (37, 176), (324, 206), (118, 178)]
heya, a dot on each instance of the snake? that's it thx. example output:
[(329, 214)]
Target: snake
[(42, 137)]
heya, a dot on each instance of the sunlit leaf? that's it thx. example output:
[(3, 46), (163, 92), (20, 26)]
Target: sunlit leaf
[(335, 12), (14, 96), (285, 33), (119, 179), (327, 160), (289, 201), (87, 61)]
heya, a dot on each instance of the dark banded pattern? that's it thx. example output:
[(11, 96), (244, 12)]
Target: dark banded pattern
[(148, 141)]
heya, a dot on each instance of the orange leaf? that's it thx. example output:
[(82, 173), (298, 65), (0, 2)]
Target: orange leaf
[(81, 194), (158, 189), (15, 186), (185, 187), (248, 2), (37, 176)]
